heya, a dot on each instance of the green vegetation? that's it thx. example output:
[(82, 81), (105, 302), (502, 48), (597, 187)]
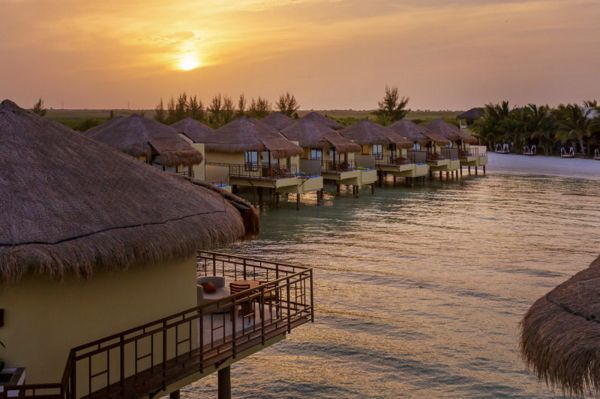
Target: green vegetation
[(392, 108), (548, 128), (287, 104)]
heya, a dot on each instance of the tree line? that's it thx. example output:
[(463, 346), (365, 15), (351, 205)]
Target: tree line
[(549, 128), (222, 109)]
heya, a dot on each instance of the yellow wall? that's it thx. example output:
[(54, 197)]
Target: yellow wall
[(44, 318), (225, 157)]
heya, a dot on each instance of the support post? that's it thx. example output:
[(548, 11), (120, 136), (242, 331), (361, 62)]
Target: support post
[(276, 199), (469, 168), (373, 189), (174, 395), (224, 383), (476, 171), (484, 169), (337, 188), (298, 201), (440, 175)]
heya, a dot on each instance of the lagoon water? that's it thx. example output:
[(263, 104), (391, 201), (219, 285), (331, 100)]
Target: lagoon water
[(420, 291)]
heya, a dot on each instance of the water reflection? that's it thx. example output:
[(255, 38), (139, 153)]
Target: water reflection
[(420, 291)]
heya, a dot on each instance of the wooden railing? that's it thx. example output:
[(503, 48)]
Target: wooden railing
[(253, 170), (339, 166), (142, 361)]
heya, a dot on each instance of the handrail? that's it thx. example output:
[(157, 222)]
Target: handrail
[(170, 344), (256, 170)]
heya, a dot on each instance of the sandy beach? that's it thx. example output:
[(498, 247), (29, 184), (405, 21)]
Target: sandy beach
[(543, 165)]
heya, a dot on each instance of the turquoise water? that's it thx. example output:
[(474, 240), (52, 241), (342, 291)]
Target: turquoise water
[(420, 291)]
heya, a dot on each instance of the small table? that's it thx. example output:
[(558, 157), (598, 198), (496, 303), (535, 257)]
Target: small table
[(251, 283)]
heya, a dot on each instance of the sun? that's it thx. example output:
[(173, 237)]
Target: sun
[(188, 61)]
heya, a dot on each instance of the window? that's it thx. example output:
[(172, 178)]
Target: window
[(316, 154), (251, 160), (378, 151), (416, 147)]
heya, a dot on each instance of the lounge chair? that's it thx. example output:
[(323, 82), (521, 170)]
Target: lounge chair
[(218, 282), (597, 154), (526, 150), (567, 154), (533, 149)]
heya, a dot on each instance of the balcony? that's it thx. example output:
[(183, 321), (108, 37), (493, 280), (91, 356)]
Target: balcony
[(144, 360)]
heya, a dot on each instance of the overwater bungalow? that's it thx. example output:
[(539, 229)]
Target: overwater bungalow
[(323, 120), (462, 145), (278, 120), (328, 153), (248, 153), (460, 149), (383, 148), (559, 335), (413, 133), (104, 273), (151, 142)]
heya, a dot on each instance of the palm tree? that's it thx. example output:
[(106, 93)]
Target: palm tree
[(575, 123)]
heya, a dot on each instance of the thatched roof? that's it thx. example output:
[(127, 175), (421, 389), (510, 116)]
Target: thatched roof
[(74, 206), (139, 136), (312, 134), (445, 129), (472, 114), (367, 132), (195, 130), (560, 336), (409, 130), (249, 134), (278, 120), (322, 119)]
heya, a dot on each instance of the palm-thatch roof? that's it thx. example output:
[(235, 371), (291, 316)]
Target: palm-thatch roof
[(322, 119), (472, 114), (441, 127), (410, 131), (249, 134), (193, 129), (278, 120), (139, 136), (560, 336), (310, 134), (74, 206), (451, 132), (367, 132)]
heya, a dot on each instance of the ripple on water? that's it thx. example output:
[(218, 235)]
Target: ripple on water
[(420, 291)]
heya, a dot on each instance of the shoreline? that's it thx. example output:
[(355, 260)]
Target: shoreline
[(541, 165)]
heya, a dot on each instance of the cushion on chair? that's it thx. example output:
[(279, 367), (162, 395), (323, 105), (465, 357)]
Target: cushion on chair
[(209, 288)]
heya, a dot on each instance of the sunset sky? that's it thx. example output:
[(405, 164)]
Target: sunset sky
[(444, 54)]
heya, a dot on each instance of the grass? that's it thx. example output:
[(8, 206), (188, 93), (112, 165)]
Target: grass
[(83, 119)]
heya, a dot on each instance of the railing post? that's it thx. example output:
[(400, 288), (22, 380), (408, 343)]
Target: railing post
[(201, 340), (233, 328), (262, 313), (214, 259), (164, 371), (245, 277), (122, 361), (73, 376), (289, 312), (312, 309)]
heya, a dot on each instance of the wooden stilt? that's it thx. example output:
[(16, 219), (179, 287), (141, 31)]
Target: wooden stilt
[(469, 168), (484, 169), (298, 201), (318, 197), (394, 180), (276, 199), (476, 171), (461, 170), (373, 189), (337, 188), (174, 395), (440, 175), (224, 383)]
